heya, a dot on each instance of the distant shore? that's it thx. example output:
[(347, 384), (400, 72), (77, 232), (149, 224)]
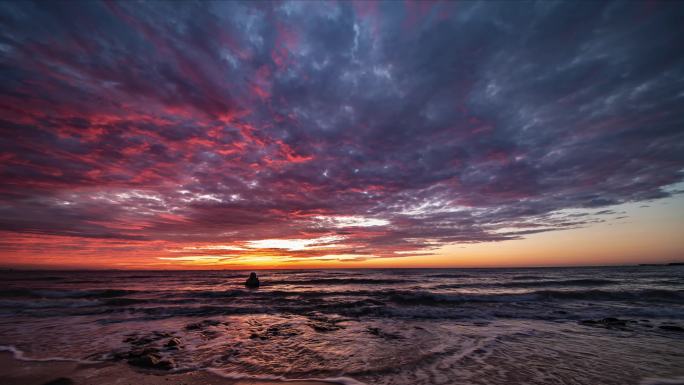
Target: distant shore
[(22, 372)]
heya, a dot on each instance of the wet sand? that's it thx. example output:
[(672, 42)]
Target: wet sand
[(20, 372)]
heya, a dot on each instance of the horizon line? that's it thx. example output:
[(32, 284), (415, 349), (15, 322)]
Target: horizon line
[(665, 264)]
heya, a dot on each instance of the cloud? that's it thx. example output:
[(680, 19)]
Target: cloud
[(392, 128)]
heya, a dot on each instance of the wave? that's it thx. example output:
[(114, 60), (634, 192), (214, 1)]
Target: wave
[(339, 281), (524, 277), (216, 294), (56, 293), (568, 282), (651, 295), (387, 303), (50, 278), (240, 376), (406, 297), (124, 301), (278, 294), (450, 276), (532, 284)]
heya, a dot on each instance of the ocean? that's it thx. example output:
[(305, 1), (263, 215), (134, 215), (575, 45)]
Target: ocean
[(590, 325)]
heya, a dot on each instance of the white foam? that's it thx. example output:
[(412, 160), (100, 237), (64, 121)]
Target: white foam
[(241, 376), (19, 355)]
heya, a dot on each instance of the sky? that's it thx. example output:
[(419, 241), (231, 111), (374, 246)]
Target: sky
[(171, 135)]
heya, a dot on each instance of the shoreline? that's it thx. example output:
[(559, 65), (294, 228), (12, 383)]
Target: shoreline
[(23, 371)]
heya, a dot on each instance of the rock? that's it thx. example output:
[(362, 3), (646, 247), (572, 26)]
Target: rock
[(323, 327), (671, 328), (144, 351), (193, 326), (137, 340), (324, 324), (210, 334), (202, 325), (151, 361), (252, 282), (174, 343), (165, 364), (610, 321)]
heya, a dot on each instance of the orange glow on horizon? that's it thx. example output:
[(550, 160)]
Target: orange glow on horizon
[(651, 236)]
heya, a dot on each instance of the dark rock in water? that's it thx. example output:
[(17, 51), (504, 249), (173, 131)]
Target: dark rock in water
[(142, 352), (173, 343), (151, 361), (671, 328), (193, 326), (324, 327), (137, 340), (202, 325), (252, 282), (166, 364), (210, 334), (60, 381), (610, 321)]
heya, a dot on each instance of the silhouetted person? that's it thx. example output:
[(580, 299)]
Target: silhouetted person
[(252, 282)]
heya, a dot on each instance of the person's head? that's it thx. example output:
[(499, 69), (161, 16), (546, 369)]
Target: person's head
[(252, 275)]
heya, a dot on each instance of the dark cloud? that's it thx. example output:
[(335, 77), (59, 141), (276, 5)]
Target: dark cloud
[(236, 121)]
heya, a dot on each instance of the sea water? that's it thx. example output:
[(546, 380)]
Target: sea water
[(386, 326)]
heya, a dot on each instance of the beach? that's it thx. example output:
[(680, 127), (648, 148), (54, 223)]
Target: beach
[(604, 325)]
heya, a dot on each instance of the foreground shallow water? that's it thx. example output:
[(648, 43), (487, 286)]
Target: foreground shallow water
[(447, 326)]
